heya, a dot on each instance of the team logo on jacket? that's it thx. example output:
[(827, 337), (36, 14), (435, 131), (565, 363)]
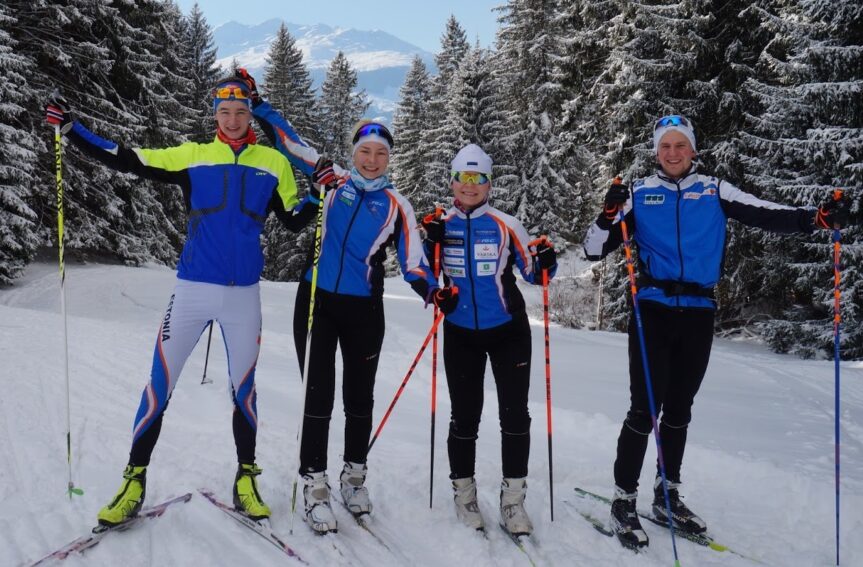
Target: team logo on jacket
[(697, 195), (654, 199), (347, 196), (485, 252), (485, 268), (375, 207)]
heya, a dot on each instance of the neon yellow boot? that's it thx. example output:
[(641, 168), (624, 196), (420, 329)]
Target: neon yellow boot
[(247, 499), (129, 498)]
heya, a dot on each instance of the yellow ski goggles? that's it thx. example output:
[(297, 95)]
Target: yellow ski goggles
[(470, 177)]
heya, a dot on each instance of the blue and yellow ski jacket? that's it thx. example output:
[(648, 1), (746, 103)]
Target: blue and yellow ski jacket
[(228, 196)]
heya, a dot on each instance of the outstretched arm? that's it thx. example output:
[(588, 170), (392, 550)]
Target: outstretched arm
[(282, 135), (752, 211)]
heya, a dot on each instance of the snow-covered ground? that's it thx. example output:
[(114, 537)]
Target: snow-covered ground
[(759, 466)]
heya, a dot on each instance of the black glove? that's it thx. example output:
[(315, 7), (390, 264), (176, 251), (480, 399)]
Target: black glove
[(546, 257), (446, 299), (324, 174), (57, 111), (615, 198), (433, 225), (834, 213), (253, 87)]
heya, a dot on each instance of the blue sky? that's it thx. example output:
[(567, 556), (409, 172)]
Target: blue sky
[(420, 22)]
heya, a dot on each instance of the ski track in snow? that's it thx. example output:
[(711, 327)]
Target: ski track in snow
[(759, 465)]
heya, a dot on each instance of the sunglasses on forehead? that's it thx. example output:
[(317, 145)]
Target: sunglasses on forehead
[(373, 129), (230, 92), (673, 120), (470, 177)]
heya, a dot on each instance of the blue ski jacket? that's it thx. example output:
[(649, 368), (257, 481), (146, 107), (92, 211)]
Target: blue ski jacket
[(679, 227), (358, 224), (477, 255)]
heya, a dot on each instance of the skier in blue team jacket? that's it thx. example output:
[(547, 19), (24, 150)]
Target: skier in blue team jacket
[(364, 214), (479, 246), (677, 218)]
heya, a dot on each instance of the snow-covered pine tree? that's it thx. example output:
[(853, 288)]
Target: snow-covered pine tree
[(198, 51), (84, 49), (341, 106), (584, 26), (288, 88), (18, 156), (470, 112), (530, 43), (806, 137), (410, 121), (160, 90), (454, 47)]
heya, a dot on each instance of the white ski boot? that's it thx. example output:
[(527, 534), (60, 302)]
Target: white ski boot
[(319, 513), (466, 506), (513, 516), (354, 494)]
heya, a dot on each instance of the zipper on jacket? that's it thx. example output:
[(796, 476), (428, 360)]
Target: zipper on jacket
[(679, 244), (232, 257), (470, 278), (357, 204)]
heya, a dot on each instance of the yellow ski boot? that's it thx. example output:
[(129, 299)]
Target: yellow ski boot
[(129, 498)]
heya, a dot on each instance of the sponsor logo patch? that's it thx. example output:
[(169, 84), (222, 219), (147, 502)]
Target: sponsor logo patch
[(485, 268), (485, 252), (484, 232), (453, 251), (453, 241), (454, 232), (451, 261), (454, 272), (654, 199)]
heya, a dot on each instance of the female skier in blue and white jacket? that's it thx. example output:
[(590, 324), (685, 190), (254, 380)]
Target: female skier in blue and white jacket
[(479, 247)]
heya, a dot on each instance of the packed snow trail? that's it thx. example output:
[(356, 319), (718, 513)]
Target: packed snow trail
[(758, 466)]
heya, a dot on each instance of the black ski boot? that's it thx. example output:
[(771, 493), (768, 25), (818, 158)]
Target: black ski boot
[(685, 519), (624, 520)]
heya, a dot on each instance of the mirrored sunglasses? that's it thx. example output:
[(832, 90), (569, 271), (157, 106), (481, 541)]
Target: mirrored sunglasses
[(470, 177)]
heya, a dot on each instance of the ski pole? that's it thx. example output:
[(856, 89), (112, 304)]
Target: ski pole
[(316, 258), (630, 268), (438, 214), (58, 164), (837, 321), (405, 381), (545, 240), (207, 356)]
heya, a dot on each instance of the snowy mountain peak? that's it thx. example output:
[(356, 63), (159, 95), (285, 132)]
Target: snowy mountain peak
[(380, 59)]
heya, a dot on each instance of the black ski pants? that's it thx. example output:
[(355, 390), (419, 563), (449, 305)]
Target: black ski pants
[(356, 325), (465, 352), (678, 345)]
